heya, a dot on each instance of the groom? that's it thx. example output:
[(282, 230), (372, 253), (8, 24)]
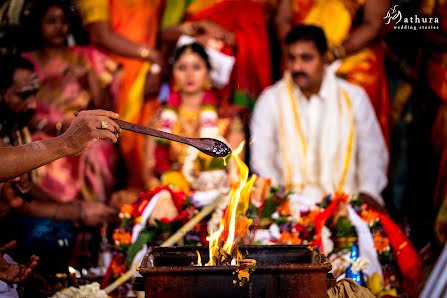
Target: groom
[(316, 133)]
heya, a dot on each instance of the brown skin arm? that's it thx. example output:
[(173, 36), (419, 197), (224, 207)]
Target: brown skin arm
[(171, 34), (88, 213), (283, 19), (371, 27), (22, 159), (79, 136), (360, 37), (199, 28), (51, 209), (102, 35)]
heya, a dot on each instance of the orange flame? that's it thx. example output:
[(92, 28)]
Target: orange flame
[(71, 270), (234, 225), (199, 259)]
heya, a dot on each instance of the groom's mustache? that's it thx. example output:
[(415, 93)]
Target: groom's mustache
[(297, 74)]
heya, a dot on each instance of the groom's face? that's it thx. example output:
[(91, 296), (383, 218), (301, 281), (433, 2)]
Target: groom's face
[(306, 65)]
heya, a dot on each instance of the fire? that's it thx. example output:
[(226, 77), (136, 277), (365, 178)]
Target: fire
[(234, 225), (199, 259), (71, 270)]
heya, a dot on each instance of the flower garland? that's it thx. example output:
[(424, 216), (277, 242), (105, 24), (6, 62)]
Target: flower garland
[(169, 118), (208, 129), (208, 114), (89, 290), (125, 248), (399, 261)]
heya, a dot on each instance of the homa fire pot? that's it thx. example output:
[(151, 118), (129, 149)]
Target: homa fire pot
[(280, 271)]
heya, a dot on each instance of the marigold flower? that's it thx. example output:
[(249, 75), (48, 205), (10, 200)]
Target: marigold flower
[(290, 238)]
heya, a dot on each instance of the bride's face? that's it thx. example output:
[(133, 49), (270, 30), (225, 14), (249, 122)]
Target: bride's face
[(190, 73)]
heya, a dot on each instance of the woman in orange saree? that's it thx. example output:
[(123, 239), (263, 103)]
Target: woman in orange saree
[(362, 58), (127, 29)]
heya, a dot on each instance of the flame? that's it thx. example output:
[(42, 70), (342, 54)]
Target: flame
[(234, 225), (71, 270), (199, 259)]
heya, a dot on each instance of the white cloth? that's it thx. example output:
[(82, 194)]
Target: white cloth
[(326, 120), (139, 226), (366, 244)]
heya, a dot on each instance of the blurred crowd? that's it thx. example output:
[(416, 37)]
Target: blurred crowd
[(196, 68)]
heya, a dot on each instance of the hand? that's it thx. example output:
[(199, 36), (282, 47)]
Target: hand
[(123, 197), (156, 57), (15, 273), (86, 129), (9, 198), (22, 184), (213, 30), (94, 214), (371, 202), (152, 84)]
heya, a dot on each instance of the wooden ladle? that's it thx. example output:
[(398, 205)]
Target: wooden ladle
[(208, 146)]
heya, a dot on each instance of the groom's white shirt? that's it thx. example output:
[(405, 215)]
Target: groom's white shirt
[(326, 125)]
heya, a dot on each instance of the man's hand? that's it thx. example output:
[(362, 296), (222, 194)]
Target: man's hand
[(123, 197), (213, 30), (373, 203), (154, 77), (152, 84), (87, 128), (15, 273), (94, 214), (9, 198)]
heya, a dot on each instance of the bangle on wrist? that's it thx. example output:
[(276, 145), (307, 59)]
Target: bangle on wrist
[(144, 52)]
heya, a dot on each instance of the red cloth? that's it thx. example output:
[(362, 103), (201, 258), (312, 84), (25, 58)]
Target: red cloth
[(321, 219), (407, 257), (246, 19)]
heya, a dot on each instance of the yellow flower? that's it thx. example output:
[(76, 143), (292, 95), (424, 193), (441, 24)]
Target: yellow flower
[(176, 179)]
